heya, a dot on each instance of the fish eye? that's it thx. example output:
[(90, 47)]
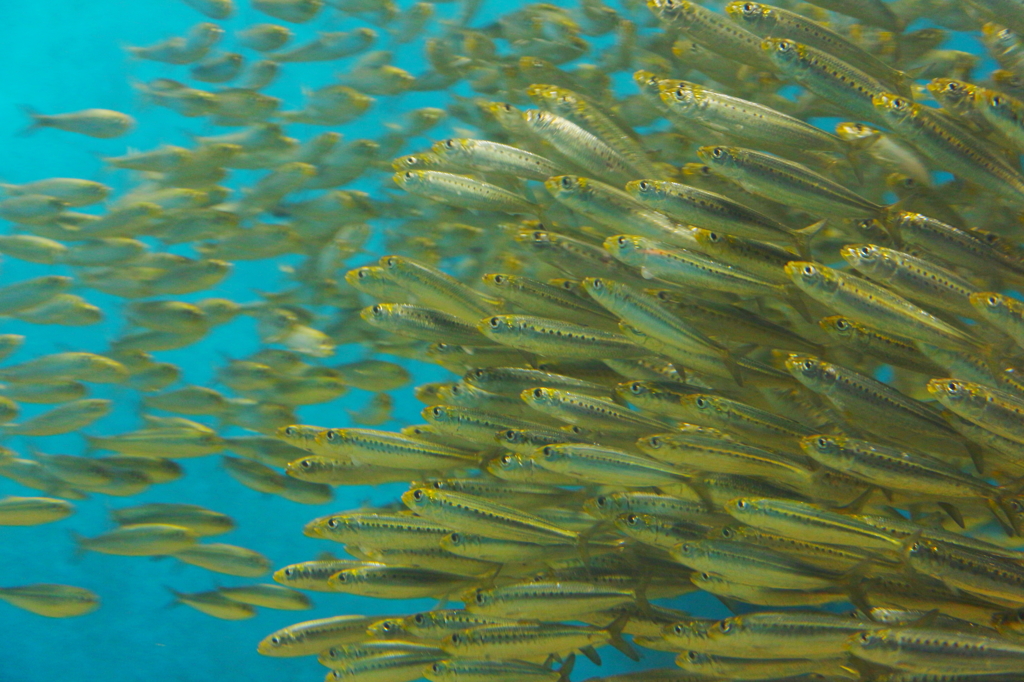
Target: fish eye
[(643, 186), (409, 175), (436, 667), (455, 638), (509, 435), (636, 388), (992, 301), (289, 431), (377, 309), (741, 504), (717, 153), (997, 100), (386, 625), (332, 523), (678, 629), (455, 389), (455, 538), (784, 46), (842, 325), (725, 626), (499, 279), (727, 533), (693, 655), (289, 572), (341, 578), (331, 435), (822, 442), (275, 640), (390, 261), (865, 250), (305, 464), (538, 393), (417, 495), (654, 442), (621, 241), (952, 386), (601, 501), (713, 237), (597, 284), (436, 411), (807, 365), (632, 519), (362, 273), (577, 430), (548, 451), (506, 459), (419, 619), (480, 598), (449, 143), (566, 182), (808, 271), (494, 322), (701, 403)]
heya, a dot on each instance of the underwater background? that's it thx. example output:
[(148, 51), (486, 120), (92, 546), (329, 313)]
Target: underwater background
[(67, 55)]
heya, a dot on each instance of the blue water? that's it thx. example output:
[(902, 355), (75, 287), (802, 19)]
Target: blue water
[(66, 55)]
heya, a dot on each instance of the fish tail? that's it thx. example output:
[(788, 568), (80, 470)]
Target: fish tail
[(615, 629), (79, 541), (804, 235), (566, 668), (35, 120), (733, 366)]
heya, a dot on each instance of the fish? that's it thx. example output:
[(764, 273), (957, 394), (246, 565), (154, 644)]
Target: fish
[(51, 600)]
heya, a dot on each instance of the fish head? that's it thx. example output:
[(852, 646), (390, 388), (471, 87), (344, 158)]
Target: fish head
[(679, 12), (719, 157), (748, 12), (682, 97), (893, 108), (623, 246), (1001, 104), (708, 239), (808, 276), (497, 325), (952, 392), (950, 92), (416, 498), (563, 186), (644, 189), (822, 444), (837, 325), (990, 303), (419, 161), (861, 256), (632, 390), (811, 371), (784, 53)]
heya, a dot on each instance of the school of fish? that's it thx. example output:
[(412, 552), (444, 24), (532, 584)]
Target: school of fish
[(729, 294)]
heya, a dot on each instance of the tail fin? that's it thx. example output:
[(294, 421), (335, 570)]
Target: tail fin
[(566, 669), (804, 235), (35, 121), (615, 632), (79, 541)]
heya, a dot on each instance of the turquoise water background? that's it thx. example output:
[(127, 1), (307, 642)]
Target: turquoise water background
[(66, 55)]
